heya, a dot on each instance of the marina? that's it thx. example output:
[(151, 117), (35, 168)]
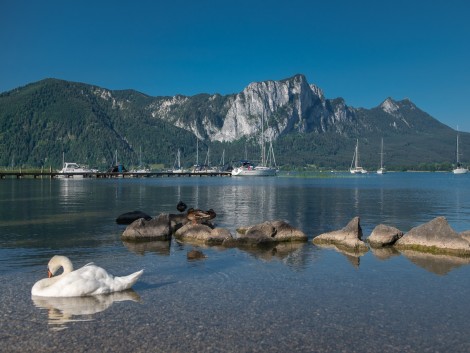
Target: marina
[(132, 174)]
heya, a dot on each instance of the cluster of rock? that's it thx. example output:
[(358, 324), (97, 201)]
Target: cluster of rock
[(436, 236), (195, 226), (203, 232)]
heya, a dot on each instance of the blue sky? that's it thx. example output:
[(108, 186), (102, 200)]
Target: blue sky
[(362, 50)]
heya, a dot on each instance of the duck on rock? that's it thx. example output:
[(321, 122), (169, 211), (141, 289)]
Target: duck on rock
[(197, 215)]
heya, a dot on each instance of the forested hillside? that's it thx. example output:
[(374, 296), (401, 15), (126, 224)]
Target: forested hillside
[(43, 121)]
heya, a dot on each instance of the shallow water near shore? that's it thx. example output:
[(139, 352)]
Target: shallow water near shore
[(294, 298)]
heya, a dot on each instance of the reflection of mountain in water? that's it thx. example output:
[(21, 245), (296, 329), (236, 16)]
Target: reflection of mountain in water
[(438, 264), (238, 205), (307, 204), (72, 190), (64, 310)]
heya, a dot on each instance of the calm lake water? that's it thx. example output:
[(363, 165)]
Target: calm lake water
[(300, 298)]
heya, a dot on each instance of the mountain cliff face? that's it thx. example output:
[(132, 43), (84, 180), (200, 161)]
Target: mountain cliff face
[(277, 107), (44, 119), (282, 107)]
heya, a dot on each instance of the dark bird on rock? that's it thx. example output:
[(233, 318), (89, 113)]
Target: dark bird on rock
[(196, 216), (181, 206)]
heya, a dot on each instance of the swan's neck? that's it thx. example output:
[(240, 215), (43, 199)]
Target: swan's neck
[(58, 262)]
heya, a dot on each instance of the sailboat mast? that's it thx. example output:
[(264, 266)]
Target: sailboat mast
[(263, 152), (356, 164), (457, 148), (382, 154)]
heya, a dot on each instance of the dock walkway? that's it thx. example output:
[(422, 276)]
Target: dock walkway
[(51, 175)]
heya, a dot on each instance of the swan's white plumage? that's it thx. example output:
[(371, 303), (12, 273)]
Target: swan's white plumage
[(88, 280)]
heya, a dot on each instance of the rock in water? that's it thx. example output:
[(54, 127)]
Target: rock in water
[(129, 217)]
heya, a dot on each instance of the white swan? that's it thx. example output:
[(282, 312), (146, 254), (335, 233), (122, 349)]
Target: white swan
[(88, 280)]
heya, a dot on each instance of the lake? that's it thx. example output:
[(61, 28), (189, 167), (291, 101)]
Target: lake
[(298, 298)]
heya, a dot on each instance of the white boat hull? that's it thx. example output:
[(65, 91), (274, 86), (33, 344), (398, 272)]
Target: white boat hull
[(74, 170), (358, 170), (256, 171), (460, 171)]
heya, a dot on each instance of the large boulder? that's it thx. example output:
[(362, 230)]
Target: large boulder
[(266, 234), (286, 232), (350, 237), (202, 234), (142, 230), (466, 235), (129, 217), (384, 235), (436, 236)]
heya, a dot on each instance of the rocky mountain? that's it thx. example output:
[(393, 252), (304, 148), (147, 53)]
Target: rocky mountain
[(287, 106), (43, 120)]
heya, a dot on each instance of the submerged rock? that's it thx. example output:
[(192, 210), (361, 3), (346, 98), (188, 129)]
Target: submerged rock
[(436, 236), (195, 255), (350, 237), (129, 217), (384, 235), (154, 229), (149, 246)]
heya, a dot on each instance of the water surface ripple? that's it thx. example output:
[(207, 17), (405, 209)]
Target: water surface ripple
[(294, 298)]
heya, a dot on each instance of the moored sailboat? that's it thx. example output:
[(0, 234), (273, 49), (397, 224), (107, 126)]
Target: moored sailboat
[(265, 168), (355, 161), (140, 169), (459, 169), (177, 166), (382, 169)]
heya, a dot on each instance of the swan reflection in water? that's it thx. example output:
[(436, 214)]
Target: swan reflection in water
[(73, 309)]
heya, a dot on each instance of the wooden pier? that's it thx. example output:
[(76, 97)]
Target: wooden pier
[(42, 174)]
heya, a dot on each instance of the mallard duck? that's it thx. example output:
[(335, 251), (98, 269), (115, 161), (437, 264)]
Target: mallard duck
[(197, 215), (181, 206)]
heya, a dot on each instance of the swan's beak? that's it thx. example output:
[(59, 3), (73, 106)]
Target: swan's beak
[(49, 273)]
